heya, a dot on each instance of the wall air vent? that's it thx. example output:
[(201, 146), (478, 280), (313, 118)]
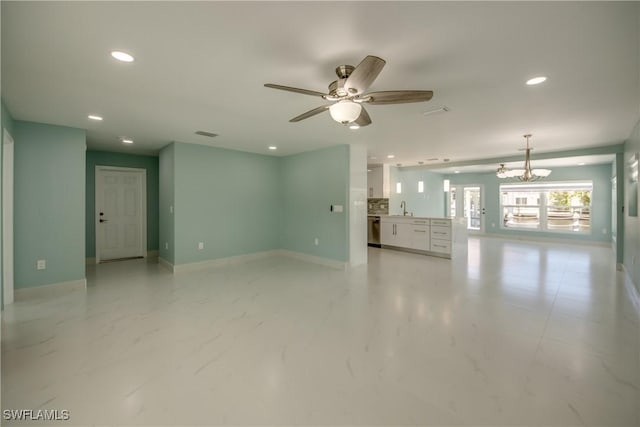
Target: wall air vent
[(204, 133)]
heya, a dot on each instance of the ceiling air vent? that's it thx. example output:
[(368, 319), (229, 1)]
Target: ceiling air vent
[(204, 133)]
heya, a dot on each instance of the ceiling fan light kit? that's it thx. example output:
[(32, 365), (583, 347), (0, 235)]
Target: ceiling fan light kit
[(527, 174), (347, 93), (345, 111)]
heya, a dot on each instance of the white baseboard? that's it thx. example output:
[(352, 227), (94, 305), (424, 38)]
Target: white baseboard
[(632, 290), (219, 262), (166, 264), (53, 289), (239, 259), (314, 259), (542, 239)]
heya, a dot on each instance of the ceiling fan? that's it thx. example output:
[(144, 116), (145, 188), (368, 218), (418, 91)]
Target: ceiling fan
[(347, 94)]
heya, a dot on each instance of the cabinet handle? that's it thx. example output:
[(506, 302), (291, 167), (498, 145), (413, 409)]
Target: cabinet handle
[(420, 231)]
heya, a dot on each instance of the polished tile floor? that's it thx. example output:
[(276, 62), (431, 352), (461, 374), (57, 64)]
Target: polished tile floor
[(506, 333)]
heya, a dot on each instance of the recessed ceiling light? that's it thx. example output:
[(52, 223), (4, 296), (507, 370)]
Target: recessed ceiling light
[(373, 157), (126, 140), (354, 126), (368, 170), (122, 56), (273, 147), (94, 117), (390, 156), (456, 171), (581, 164), (536, 80)]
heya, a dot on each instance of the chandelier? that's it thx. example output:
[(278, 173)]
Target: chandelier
[(527, 174)]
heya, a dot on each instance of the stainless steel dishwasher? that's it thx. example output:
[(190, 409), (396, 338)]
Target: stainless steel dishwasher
[(373, 230)]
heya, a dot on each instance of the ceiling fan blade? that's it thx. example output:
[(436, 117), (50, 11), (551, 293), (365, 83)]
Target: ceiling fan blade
[(364, 74), (363, 119), (398, 96), (310, 113), (295, 89)]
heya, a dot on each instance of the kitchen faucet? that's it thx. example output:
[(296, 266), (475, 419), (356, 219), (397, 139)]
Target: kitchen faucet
[(403, 206)]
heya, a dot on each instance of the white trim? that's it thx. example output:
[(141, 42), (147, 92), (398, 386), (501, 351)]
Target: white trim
[(541, 239), (632, 291), (219, 262), (314, 259), (54, 289), (143, 207), (239, 259), (166, 264), (7, 217)]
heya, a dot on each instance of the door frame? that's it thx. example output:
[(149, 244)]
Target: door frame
[(143, 205), (460, 205), (7, 217)]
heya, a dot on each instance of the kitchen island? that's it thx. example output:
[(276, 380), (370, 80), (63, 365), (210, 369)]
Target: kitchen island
[(427, 236)]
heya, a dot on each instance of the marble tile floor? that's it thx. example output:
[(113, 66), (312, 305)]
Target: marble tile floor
[(505, 333)]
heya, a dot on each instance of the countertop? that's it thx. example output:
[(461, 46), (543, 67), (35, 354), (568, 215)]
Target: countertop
[(409, 216)]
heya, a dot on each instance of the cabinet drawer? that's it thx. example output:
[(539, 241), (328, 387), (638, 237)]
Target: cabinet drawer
[(420, 222), (442, 246), (443, 233), (419, 238), (441, 222)]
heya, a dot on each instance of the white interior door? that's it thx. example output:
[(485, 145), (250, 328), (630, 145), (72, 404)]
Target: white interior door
[(7, 218), (121, 218)]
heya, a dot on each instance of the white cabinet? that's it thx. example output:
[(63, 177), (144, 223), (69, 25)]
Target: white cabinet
[(430, 235), (375, 182), (405, 232), (441, 236)]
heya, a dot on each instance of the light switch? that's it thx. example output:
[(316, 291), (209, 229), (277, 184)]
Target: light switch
[(337, 208), (41, 264)]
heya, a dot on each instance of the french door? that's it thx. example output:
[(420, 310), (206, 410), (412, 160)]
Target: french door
[(467, 201)]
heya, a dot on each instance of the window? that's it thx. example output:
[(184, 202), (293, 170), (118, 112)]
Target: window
[(560, 206)]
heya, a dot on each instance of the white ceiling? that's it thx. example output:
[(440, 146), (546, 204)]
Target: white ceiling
[(202, 66)]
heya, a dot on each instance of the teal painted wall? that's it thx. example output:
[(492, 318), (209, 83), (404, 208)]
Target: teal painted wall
[(600, 203), (49, 221), (226, 199), (427, 204), (103, 158), (631, 224), (166, 226), (311, 182)]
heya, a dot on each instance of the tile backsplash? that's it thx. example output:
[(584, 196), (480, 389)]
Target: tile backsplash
[(378, 206)]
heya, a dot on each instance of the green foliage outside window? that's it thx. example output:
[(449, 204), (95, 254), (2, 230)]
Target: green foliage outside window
[(563, 198)]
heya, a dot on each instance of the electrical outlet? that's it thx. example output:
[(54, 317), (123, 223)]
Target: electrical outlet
[(166, 245), (604, 231), (493, 224), (41, 264), (171, 209), (316, 241), (200, 246)]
